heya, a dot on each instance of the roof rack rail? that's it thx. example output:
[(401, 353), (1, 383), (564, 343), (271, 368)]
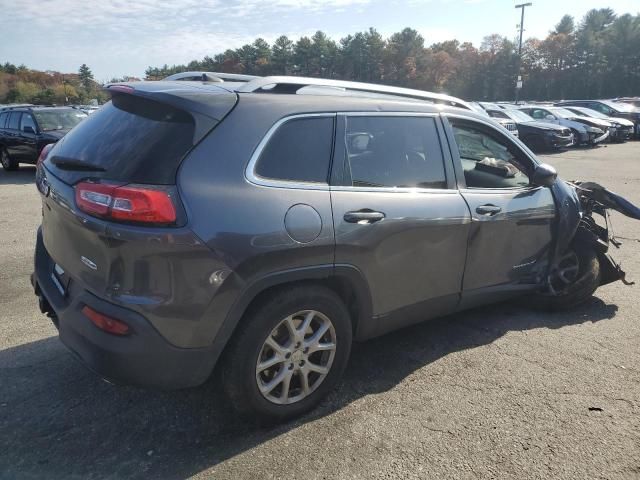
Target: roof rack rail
[(283, 84), (215, 77), (20, 105)]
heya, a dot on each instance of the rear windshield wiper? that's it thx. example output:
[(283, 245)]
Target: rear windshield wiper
[(69, 164)]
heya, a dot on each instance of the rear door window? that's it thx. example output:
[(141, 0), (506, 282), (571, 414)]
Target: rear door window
[(299, 151), (3, 119), (14, 120), (394, 152), (129, 139)]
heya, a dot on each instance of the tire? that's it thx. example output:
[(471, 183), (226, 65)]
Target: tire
[(267, 321), (581, 287), (7, 162), (576, 137)]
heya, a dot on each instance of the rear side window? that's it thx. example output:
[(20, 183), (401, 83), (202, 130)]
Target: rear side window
[(129, 139), (14, 120), (299, 150), (394, 152), (3, 119)]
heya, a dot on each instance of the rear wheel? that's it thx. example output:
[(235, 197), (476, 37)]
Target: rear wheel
[(289, 353), (7, 162), (572, 281)]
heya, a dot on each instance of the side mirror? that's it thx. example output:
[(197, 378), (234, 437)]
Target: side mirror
[(550, 117), (28, 129), (544, 175)]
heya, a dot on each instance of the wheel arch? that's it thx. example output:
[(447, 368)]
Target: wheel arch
[(347, 281)]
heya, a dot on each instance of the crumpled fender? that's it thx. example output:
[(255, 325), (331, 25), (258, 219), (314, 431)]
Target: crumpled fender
[(568, 208), (609, 199)]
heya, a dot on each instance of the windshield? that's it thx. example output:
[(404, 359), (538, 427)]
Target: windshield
[(478, 109), (590, 113), (621, 107), (563, 112), (518, 116), (49, 120)]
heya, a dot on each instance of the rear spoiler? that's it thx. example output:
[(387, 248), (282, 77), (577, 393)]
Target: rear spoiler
[(207, 104)]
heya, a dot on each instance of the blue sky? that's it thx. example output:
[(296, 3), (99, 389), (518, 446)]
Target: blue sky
[(122, 37)]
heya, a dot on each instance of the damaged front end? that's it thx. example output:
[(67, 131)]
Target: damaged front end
[(584, 222)]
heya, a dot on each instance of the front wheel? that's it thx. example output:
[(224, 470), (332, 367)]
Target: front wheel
[(572, 281), (7, 162), (290, 351)]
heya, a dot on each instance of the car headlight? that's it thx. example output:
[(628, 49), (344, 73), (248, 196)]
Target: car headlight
[(617, 125), (594, 130)]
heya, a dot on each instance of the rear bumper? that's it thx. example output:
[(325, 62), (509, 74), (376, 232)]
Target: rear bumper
[(143, 358)]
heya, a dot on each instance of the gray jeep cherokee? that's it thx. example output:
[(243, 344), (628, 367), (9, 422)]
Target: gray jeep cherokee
[(263, 224)]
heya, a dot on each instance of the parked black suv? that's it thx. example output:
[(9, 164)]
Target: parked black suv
[(26, 130), (264, 225)]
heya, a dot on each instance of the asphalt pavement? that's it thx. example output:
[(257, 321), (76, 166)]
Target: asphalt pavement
[(497, 392)]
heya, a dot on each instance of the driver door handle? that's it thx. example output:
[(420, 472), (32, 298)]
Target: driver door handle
[(488, 209), (363, 216)]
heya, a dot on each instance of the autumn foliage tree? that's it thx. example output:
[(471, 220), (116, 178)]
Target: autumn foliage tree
[(598, 56)]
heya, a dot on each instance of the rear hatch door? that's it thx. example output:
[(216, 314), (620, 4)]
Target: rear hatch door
[(139, 139)]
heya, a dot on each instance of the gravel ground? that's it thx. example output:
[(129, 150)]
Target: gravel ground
[(498, 392)]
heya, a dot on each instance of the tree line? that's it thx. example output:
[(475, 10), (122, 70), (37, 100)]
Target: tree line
[(597, 57)]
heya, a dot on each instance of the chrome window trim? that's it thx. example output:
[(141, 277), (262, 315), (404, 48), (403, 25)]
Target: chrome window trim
[(346, 188), (389, 114), (253, 177)]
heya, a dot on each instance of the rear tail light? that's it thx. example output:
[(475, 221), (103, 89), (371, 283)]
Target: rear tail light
[(44, 152), (126, 203), (104, 322)]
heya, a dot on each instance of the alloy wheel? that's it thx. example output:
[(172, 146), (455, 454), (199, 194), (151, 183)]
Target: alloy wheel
[(296, 357), (564, 274)]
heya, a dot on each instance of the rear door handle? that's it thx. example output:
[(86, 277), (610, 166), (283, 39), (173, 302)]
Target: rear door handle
[(363, 216), (488, 209)]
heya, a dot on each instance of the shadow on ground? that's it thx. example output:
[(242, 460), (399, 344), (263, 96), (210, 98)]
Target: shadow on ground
[(58, 420), (22, 176)]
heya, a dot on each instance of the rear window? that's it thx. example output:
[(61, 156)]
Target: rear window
[(300, 150), (129, 139)]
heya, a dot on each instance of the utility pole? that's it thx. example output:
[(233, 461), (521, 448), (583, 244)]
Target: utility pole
[(522, 6), (64, 85)]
